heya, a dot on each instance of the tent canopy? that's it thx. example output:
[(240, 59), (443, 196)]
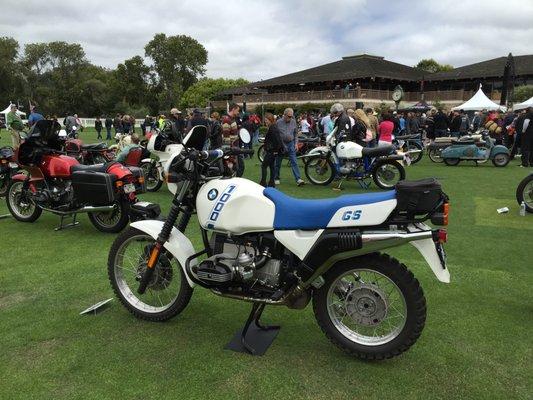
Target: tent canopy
[(8, 109), (525, 104), (478, 102)]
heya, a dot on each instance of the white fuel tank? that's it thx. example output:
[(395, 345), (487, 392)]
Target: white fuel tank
[(349, 150), (235, 206)]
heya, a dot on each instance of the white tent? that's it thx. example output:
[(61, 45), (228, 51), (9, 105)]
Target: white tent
[(525, 104), (8, 109), (479, 102)]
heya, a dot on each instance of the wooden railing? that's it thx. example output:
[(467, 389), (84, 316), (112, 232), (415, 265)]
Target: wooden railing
[(356, 94)]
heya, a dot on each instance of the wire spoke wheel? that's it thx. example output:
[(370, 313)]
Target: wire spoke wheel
[(21, 206), (319, 171), (367, 307), (388, 174), (151, 177), (434, 155), (129, 265)]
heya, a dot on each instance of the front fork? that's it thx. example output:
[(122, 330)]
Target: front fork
[(163, 236)]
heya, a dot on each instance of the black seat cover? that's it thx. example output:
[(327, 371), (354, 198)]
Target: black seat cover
[(377, 151), (94, 146), (93, 168)]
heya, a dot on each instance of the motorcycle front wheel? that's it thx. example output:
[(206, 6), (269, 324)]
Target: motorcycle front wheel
[(261, 153), (371, 307), (501, 160), (524, 193), (320, 171), (387, 174), (151, 177), (168, 291), (21, 207), (111, 221), (4, 183)]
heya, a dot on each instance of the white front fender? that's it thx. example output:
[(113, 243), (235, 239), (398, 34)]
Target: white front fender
[(426, 247), (178, 244)]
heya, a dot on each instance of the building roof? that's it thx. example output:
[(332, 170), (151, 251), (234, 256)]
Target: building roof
[(486, 69), (349, 68)]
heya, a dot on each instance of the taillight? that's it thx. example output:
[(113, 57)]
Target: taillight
[(119, 184), (446, 212), (443, 236)]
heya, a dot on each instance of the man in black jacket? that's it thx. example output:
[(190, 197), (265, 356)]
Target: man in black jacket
[(441, 124), (527, 139), (108, 125), (455, 124)]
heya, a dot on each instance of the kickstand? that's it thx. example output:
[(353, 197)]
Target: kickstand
[(5, 216), (339, 186), (72, 222), (254, 338)]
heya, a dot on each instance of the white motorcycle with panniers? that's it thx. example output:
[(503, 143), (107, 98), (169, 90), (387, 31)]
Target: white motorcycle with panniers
[(264, 247)]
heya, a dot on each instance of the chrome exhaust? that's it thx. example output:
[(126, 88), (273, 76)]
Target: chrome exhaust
[(86, 209)]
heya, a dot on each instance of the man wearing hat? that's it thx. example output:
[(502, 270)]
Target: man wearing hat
[(14, 123)]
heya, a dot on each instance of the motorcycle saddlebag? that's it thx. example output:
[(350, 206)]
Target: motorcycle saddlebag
[(419, 197), (94, 188)]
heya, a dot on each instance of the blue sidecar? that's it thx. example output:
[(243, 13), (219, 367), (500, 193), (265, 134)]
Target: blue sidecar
[(470, 151)]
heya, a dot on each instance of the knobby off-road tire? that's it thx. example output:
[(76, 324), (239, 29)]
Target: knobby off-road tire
[(406, 283), (178, 304)]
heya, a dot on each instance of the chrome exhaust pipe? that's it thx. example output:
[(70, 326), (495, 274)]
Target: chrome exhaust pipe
[(86, 209)]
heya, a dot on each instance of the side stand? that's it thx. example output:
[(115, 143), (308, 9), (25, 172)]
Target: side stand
[(5, 216), (72, 222), (254, 338)]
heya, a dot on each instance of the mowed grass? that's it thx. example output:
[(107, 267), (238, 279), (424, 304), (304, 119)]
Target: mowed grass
[(477, 342)]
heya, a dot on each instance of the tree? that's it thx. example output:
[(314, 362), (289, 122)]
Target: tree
[(430, 65), (522, 93), (133, 77), (10, 78), (205, 89), (178, 61)]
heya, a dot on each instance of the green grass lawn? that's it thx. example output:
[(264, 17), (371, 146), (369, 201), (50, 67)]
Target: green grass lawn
[(477, 342)]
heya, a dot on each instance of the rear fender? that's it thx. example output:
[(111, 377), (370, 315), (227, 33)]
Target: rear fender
[(426, 247), (321, 152), (178, 244)]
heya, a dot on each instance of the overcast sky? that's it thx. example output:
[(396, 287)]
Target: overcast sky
[(262, 39)]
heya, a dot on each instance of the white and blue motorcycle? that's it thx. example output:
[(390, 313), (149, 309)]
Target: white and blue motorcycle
[(267, 248)]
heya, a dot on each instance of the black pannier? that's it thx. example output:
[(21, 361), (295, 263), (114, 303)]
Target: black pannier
[(419, 197), (94, 188)]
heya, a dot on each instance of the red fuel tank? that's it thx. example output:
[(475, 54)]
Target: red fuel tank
[(57, 166)]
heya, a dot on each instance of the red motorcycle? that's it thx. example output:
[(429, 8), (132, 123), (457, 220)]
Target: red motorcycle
[(88, 154), (59, 184)]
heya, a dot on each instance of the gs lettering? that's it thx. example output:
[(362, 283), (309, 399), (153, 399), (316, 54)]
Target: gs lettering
[(352, 215)]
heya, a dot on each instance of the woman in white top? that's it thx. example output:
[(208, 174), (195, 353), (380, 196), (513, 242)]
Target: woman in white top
[(304, 125)]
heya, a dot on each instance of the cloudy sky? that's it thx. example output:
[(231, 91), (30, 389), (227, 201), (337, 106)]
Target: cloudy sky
[(262, 39)]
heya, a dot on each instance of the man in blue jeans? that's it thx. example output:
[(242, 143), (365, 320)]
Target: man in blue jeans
[(289, 136)]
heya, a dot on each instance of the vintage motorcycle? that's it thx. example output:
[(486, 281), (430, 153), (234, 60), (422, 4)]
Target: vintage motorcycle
[(524, 192), (59, 184), (469, 150), (350, 160), (8, 168), (304, 145), (265, 247), (411, 144), (88, 154)]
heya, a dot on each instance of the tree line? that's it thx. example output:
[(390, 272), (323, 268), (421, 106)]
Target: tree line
[(60, 80)]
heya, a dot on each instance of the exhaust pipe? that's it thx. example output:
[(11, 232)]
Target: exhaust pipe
[(86, 209)]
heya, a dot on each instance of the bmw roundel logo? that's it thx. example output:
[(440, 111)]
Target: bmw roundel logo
[(212, 194)]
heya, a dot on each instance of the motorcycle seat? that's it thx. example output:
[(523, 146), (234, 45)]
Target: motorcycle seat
[(407, 137), (92, 168), (463, 141), (94, 146), (292, 213), (377, 151)]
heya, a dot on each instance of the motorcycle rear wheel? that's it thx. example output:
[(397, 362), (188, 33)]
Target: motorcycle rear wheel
[(434, 155), (113, 221), (371, 307), (261, 153), (151, 177), (320, 171), (23, 210), (386, 174), (452, 162), (168, 292), (417, 156), (501, 160), (524, 193)]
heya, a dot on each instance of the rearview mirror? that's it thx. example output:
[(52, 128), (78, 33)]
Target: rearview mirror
[(244, 135)]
